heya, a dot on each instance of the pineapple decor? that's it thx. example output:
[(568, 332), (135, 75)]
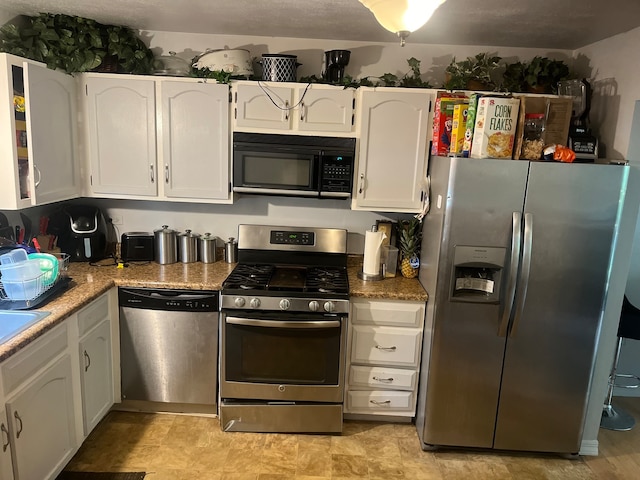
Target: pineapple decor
[(410, 239)]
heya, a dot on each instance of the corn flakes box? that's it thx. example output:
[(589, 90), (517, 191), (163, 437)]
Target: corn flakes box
[(495, 127), (458, 127)]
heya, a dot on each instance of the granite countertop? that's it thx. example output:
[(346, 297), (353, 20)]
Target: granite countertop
[(89, 282)]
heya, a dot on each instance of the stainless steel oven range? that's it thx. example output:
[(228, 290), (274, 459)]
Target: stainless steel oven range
[(283, 331)]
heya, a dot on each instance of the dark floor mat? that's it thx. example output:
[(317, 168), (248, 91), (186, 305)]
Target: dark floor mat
[(100, 475)]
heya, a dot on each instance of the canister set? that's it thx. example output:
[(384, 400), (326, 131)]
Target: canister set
[(188, 247)]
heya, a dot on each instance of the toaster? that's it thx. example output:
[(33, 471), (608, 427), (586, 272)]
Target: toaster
[(137, 247)]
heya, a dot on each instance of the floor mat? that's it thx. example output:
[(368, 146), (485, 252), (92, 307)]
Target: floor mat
[(100, 475)]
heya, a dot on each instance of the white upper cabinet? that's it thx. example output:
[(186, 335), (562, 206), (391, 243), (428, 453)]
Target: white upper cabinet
[(195, 140), (121, 132), (37, 134), (295, 108), (393, 138), (158, 138)]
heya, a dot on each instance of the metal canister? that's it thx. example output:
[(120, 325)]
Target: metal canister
[(231, 251), (166, 247), (207, 253), (188, 247)]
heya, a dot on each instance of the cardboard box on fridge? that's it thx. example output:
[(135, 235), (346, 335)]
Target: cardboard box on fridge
[(557, 112), (443, 121), (458, 127), (495, 127)]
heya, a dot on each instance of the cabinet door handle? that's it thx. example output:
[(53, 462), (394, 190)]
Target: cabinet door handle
[(153, 175), (37, 170), (87, 361), (386, 349), (17, 417), (383, 380), (4, 432), (377, 402), (286, 112), (166, 174), (302, 112), (361, 188)]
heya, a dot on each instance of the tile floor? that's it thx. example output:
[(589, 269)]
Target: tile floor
[(180, 447)]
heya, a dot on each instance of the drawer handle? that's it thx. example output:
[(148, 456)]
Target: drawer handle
[(384, 402), (386, 349), (17, 417), (4, 432), (383, 380)]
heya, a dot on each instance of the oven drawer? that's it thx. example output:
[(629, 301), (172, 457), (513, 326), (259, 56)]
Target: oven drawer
[(386, 346), (380, 401), (384, 378)]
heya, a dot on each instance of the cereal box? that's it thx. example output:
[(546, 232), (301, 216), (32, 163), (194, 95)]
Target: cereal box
[(443, 121), (495, 127), (471, 122), (458, 127)]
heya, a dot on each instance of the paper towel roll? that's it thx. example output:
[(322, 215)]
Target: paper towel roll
[(372, 250)]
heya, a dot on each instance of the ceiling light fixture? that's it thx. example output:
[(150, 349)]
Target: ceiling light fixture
[(402, 16)]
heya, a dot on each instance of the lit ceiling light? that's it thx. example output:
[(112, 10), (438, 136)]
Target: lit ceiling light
[(402, 16)]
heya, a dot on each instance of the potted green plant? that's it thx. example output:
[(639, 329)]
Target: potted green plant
[(473, 73), (77, 44), (540, 75)]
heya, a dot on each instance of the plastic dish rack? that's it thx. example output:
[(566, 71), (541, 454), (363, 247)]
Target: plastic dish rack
[(29, 293)]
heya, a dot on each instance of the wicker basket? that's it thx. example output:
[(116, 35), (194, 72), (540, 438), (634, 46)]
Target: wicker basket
[(109, 65)]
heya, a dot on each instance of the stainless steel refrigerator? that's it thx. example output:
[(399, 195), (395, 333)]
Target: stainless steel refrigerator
[(516, 261)]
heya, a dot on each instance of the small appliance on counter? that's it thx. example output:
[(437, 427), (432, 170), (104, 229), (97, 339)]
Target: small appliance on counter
[(137, 247), (83, 233)]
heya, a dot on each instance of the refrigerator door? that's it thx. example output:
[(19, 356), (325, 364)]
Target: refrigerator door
[(573, 212), (463, 372)]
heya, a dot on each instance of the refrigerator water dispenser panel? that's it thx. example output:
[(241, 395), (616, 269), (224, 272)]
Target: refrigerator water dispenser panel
[(477, 273)]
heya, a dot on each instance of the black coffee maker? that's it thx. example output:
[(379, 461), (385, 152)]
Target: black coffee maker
[(335, 61), (83, 233)]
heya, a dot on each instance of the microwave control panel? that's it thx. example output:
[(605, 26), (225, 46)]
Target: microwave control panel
[(336, 173)]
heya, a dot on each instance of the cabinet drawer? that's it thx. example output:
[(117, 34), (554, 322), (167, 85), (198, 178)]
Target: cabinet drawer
[(93, 314), (386, 346), (381, 377), (400, 314), (34, 357), (388, 402)]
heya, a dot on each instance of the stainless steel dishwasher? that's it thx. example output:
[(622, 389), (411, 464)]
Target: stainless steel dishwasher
[(169, 347)]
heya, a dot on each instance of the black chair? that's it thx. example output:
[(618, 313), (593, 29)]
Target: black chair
[(614, 417)]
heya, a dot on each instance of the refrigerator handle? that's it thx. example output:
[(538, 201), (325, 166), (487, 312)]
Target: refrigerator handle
[(523, 280), (513, 273)]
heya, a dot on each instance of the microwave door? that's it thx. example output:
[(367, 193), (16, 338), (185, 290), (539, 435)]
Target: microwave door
[(267, 169)]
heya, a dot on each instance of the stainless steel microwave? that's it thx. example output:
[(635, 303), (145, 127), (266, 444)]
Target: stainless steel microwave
[(293, 165)]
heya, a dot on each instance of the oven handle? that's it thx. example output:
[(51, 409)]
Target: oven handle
[(282, 323)]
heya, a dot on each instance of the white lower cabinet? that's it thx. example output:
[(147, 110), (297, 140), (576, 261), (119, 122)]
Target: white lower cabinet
[(96, 366), (40, 406), (6, 469), (383, 358)]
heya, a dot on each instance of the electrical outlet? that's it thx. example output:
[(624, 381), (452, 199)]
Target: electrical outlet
[(116, 219)]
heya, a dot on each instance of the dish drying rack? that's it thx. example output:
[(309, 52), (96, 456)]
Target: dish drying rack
[(38, 290)]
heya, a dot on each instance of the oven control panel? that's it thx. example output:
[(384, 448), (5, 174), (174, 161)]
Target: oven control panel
[(281, 237)]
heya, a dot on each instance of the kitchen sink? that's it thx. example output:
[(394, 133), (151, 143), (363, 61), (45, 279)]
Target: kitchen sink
[(13, 322)]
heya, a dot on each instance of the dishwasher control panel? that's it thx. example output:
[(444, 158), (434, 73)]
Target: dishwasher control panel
[(169, 299)]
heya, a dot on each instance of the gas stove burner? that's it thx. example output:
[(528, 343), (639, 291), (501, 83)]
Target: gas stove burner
[(249, 277), (327, 280)]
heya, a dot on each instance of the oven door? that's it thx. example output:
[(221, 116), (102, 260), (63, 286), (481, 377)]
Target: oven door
[(282, 357), (275, 169)]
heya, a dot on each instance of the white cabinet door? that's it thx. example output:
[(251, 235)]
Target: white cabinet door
[(42, 423), (121, 135), (262, 105), (393, 141), (195, 138), (96, 373), (51, 119), (324, 110), (6, 466)]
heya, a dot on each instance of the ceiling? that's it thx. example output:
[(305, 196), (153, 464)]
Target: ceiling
[(550, 24)]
